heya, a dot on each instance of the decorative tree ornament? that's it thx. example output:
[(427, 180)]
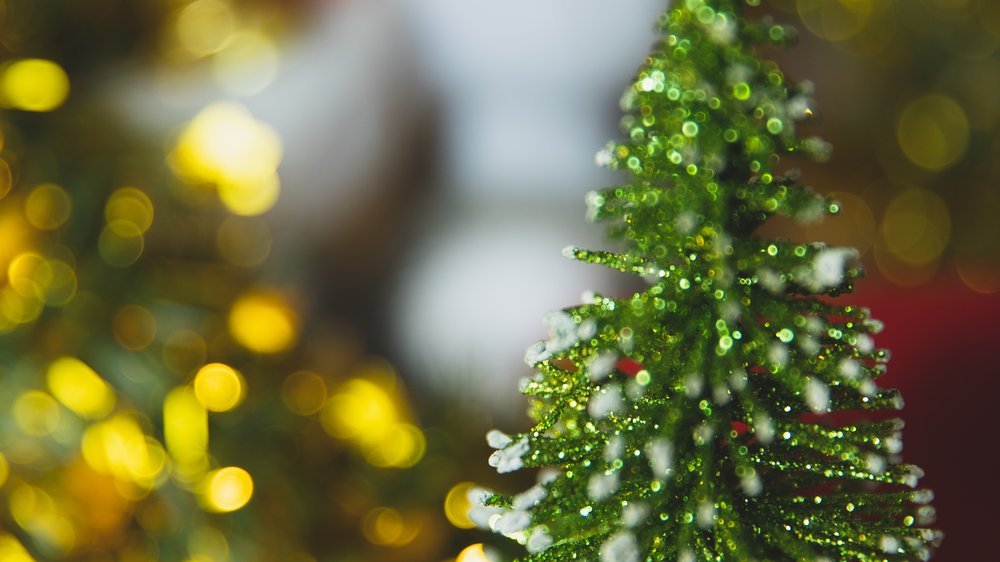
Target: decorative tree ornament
[(724, 412)]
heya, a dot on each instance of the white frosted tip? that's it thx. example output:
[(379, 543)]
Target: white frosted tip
[(497, 439), (634, 514), (529, 498), (817, 396), (606, 402), (602, 485), (620, 547)]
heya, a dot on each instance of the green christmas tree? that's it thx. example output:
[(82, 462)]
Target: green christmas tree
[(729, 410)]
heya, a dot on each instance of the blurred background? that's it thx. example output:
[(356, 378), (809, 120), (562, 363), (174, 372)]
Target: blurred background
[(268, 268)]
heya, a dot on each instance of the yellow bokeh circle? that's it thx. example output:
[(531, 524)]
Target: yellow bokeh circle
[(457, 505), (33, 85), (385, 526), (47, 207), (916, 226), (219, 387), (933, 132), (473, 553), (228, 489), (80, 388), (304, 393), (134, 327), (263, 321), (129, 206)]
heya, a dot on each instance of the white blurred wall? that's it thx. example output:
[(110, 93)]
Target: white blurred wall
[(528, 90)]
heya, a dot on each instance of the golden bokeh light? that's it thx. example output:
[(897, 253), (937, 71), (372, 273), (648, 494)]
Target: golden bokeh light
[(359, 408), (250, 198), (219, 387), (4, 471), (226, 146), (247, 64), (121, 245), (128, 210), (47, 207), (119, 447), (33, 278), (262, 321), (78, 387), (36, 413), (835, 20), (369, 412), (6, 178), (41, 517), (916, 226), (11, 550), (185, 431), (933, 132), (204, 26), (457, 505), (473, 553), (400, 445), (900, 272), (26, 276), (304, 393), (978, 274), (134, 327), (209, 544), (385, 526), (228, 489), (33, 85), (61, 283)]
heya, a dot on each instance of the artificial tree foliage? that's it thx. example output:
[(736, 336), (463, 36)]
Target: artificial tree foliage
[(729, 410)]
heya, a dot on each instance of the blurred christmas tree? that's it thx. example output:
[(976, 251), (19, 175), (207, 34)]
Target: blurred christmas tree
[(157, 400), (728, 411)]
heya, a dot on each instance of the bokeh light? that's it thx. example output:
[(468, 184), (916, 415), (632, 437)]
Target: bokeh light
[(916, 226), (36, 413), (304, 393), (80, 388), (127, 211), (247, 64), (35, 511), (385, 526), (228, 489), (262, 321), (185, 430), (369, 411), (47, 207), (219, 387), (226, 147), (121, 245), (6, 177), (473, 553), (4, 471), (11, 550), (33, 85), (134, 327), (835, 20), (457, 505), (933, 132), (119, 447), (204, 26)]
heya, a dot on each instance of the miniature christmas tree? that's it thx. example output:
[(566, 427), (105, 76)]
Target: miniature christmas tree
[(729, 410)]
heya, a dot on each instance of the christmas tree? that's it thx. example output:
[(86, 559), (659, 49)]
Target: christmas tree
[(728, 411)]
